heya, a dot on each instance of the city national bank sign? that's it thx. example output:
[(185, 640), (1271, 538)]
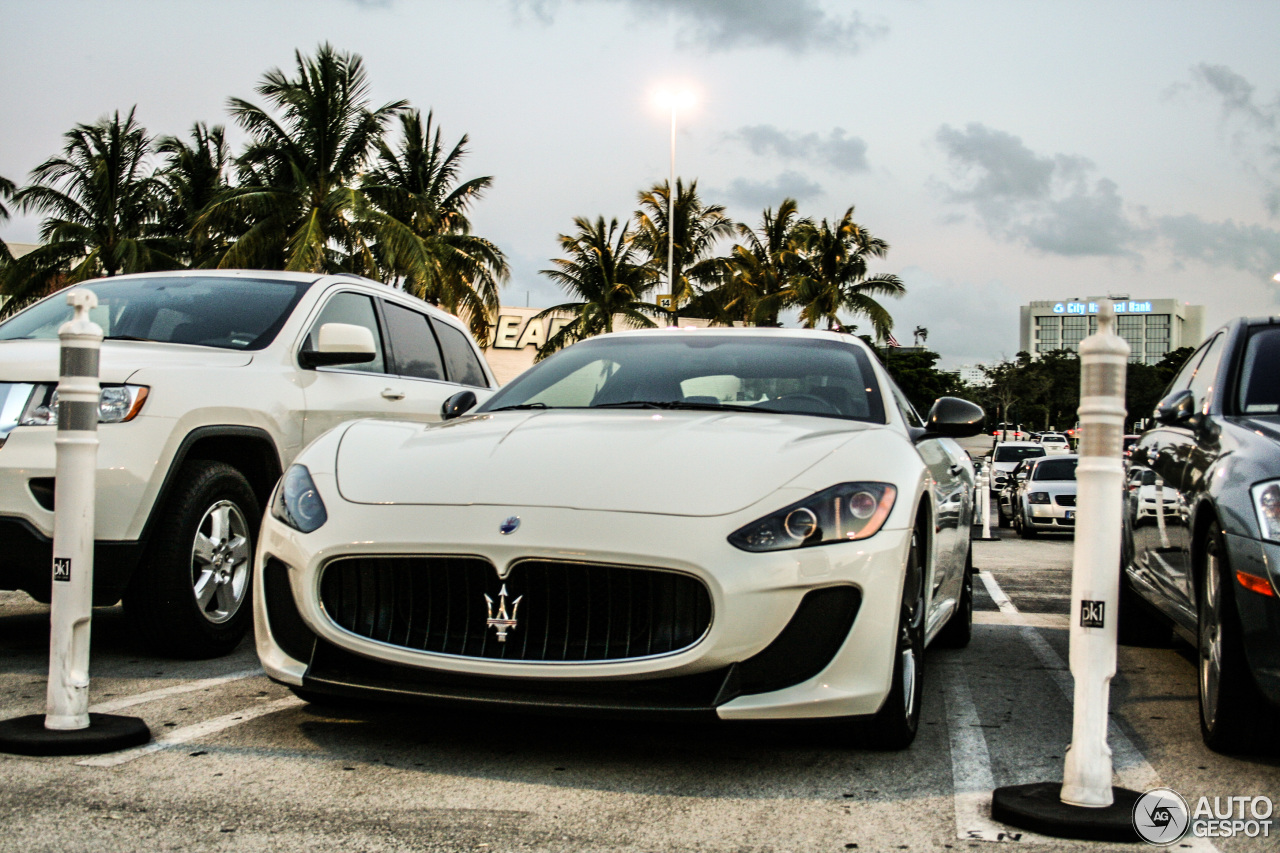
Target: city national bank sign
[(1122, 307)]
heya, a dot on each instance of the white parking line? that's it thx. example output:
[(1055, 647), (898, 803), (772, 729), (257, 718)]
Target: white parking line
[(1131, 768), (113, 705), (190, 733)]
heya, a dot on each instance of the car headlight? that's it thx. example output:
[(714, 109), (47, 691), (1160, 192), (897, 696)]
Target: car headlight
[(1266, 503), (297, 502), (117, 404), (841, 513), (1038, 498)]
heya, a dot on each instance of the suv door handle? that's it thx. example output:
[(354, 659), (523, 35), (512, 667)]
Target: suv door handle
[(392, 394)]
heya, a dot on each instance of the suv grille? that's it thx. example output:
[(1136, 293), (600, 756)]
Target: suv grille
[(1065, 500), (566, 611)]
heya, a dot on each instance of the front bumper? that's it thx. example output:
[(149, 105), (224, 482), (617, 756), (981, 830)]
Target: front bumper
[(799, 634), (1051, 516)]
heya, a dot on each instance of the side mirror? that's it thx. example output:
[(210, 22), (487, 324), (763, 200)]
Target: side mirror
[(340, 343), (1176, 409), (458, 405), (952, 417)]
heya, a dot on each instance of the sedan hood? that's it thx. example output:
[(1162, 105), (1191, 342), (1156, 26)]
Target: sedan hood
[(674, 463), (38, 361)]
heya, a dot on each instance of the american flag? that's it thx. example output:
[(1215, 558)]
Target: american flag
[(892, 341)]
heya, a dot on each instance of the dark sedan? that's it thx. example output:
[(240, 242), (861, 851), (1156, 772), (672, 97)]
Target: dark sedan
[(1207, 558)]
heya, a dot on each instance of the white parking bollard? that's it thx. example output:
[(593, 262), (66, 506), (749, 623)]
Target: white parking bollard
[(984, 501), (68, 727), (1095, 578), (1086, 805)]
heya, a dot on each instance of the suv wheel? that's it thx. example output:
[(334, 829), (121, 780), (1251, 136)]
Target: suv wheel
[(191, 596)]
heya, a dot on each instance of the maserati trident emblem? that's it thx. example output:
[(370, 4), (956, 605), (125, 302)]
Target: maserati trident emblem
[(501, 621), (509, 526)]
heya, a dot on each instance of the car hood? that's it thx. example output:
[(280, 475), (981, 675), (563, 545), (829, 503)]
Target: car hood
[(37, 361), (1053, 487), (675, 463)]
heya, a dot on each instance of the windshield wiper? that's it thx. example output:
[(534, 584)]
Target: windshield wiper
[(519, 406), (675, 404), (129, 338)]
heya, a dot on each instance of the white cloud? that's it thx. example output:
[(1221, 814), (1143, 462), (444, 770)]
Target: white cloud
[(761, 194), (838, 150)]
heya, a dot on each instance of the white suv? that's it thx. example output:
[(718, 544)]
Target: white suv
[(212, 382)]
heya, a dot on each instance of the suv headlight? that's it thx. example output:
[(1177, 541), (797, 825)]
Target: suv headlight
[(839, 514), (297, 502), (117, 404), (1266, 503), (1038, 498)]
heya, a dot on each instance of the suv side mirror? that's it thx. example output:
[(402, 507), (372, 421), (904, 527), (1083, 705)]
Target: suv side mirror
[(953, 418), (458, 405), (1176, 409), (340, 343)]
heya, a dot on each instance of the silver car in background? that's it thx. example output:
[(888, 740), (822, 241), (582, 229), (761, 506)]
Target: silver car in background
[(1046, 499)]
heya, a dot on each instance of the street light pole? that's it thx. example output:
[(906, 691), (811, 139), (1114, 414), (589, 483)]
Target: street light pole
[(671, 222)]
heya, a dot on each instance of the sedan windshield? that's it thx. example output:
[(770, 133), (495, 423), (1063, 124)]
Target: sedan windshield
[(1056, 469), (740, 372), (228, 313)]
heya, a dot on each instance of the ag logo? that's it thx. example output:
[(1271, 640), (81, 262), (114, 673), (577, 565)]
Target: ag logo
[(1160, 816)]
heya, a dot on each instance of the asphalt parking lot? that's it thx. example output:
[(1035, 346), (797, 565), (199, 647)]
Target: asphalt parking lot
[(240, 764)]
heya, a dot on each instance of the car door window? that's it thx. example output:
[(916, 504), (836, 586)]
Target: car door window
[(459, 358), (413, 344), (357, 310), (1204, 380)]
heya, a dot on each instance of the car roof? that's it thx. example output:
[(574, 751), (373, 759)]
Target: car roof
[(765, 331), (1017, 444), (275, 275)]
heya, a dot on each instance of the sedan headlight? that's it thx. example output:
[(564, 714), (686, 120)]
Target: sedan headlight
[(839, 514), (297, 502), (1038, 498), (1266, 503), (117, 404)]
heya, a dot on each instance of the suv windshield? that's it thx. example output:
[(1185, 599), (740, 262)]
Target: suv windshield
[(742, 372), (228, 313), (1259, 375), (1014, 454), (1056, 469)]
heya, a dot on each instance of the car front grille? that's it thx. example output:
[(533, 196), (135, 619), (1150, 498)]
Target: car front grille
[(559, 611), (1065, 500)]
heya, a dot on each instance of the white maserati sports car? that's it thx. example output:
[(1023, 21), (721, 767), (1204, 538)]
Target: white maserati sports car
[(735, 523)]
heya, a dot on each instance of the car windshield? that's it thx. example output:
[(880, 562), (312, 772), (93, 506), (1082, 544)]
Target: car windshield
[(1055, 469), (1260, 373), (713, 370), (1014, 454), (228, 313)]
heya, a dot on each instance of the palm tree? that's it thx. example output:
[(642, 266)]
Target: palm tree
[(606, 275), (298, 174), (103, 205), (831, 275), (417, 186), (762, 267), (697, 226), (7, 189), (193, 176)]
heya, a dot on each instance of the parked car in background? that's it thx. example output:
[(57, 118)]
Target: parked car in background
[(780, 536), (1044, 500), (212, 381), (1006, 455), (1210, 564), (1055, 443)]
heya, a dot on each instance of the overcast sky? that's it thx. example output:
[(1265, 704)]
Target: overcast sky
[(1007, 151)]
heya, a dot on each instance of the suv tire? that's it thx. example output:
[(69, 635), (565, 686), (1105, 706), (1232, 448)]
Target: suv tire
[(191, 597)]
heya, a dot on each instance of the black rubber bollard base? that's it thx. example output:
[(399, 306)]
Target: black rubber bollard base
[(1038, 807), (106, 733)]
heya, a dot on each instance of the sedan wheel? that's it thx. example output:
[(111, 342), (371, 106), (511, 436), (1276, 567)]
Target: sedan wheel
[(895, 725), (1232, 712)]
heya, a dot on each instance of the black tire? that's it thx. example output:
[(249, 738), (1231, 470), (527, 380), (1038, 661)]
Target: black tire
[(1138, 624), (1233, 714), (213, 511), (1025, 530), (1001, 519), (894, 726), (959, 628)]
